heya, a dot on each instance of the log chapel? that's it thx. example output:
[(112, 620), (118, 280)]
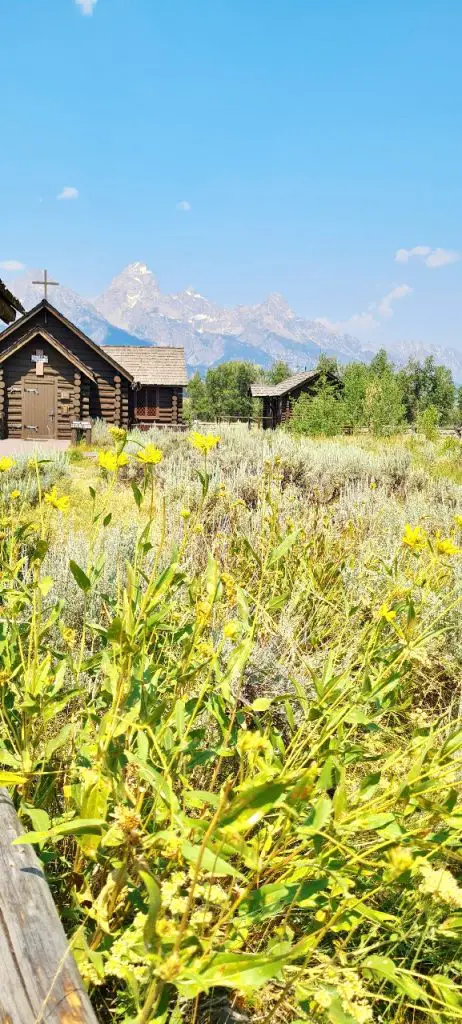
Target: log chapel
[(53, 379)]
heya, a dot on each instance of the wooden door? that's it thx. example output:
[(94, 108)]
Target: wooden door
[(39, 410)]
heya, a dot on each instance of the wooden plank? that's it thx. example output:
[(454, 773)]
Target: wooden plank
[(39, 980)]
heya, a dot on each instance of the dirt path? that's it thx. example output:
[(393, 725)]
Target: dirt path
[(12, 446)]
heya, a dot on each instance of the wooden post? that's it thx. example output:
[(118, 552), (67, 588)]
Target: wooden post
[(2, 405), (39, 980), (175, 408)]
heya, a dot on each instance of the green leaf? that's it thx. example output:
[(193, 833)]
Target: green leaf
[(40, 550), (329, 775), (94, 806), (271, 900), (246, 972), (278, 602), (336, 1013), (246, 810), (45, 585), (282, 549), (59, 740), (137, 495), (383, 967), (446, 989), (452, 744), (80, 577), (369, 785), (261, 704), (210, 861), (212, 577), (236, 665), (12, 778), (76, 827), (155, 903), (320, 814), (375, 821), (39, 818), (163, 581), (107, 519), (159, 784)]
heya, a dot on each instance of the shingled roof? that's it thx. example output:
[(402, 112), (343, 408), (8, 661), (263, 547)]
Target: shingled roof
[(152, 364), (272, 390), (9, 305)]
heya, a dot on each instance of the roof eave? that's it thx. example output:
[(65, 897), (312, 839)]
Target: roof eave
[(65, 352)]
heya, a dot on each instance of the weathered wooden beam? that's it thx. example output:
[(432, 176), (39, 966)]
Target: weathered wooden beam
[(39, 980)]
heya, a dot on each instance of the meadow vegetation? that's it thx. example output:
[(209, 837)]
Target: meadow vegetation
[(230, 672)]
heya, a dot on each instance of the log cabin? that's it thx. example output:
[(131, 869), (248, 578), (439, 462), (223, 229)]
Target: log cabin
[(159, 376), (278, 398), (55, 380)]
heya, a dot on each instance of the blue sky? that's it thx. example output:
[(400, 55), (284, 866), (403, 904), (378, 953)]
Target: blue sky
[(307, 141)]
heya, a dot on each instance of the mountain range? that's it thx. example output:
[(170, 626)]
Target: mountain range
[(134, 310)]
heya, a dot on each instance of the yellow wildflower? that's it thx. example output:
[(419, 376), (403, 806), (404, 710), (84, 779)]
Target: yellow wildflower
[(128, 821), (204, 609), (414, 537), (203, 442), (199, 528), (61, 502), (445, 546), (111, 462), (14, 495), (399, 860), (231, 630), (387, 613), (170, 968), (150, 455), (118, 433), (252, 742), (185, 513), (458, 520), (373, 485), (166, 929), (322, 998), (69, 636), (6, 463), (205, 649), (229, 584)]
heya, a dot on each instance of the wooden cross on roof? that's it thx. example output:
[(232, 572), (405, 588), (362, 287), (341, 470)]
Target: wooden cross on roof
[(46, 283)]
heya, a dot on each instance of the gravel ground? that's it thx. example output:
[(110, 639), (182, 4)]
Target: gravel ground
[(16, 446)]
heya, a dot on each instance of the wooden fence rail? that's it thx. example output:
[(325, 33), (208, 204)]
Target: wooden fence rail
[(39, 980)]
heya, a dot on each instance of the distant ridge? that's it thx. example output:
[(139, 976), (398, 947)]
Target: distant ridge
[(133, 310)]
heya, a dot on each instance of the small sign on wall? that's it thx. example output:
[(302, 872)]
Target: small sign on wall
[(39, 359), (81, 424)]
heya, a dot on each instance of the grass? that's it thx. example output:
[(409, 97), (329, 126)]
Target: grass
[(231, 721)]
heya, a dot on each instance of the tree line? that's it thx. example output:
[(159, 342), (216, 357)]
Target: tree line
[(376, 395)]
